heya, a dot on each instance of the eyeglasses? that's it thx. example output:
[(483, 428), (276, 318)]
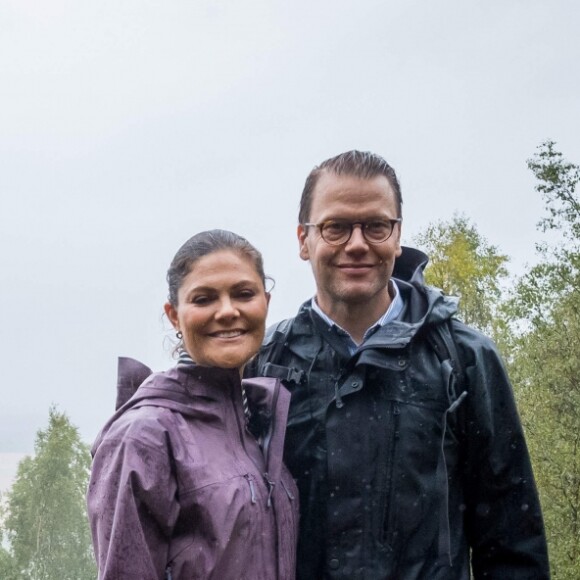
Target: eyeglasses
[(336, 232)]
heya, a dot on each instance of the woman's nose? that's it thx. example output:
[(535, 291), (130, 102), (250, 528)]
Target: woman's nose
[(227, 309)]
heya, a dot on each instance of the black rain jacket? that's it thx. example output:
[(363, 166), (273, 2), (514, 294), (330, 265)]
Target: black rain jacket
[(403, 476)]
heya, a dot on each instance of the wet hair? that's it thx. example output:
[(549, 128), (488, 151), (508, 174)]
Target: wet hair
[(203, 244), (363, 164)]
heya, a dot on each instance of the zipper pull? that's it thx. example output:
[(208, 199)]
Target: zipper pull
[(250, 480), (288, 492), (337, 397), (270, 485)]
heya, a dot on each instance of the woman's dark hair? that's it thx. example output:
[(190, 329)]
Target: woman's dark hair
[(203, 244)]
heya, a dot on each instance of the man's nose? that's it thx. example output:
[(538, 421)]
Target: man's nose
[(357, 240)]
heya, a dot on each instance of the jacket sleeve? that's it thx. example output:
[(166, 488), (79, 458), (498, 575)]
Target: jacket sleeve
[(503, 516), (132, 508)]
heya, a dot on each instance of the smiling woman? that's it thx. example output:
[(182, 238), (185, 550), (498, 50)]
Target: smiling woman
[(221, 309), (180, 472)]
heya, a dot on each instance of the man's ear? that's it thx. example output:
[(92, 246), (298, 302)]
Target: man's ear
[(171, 313), (302, 234)]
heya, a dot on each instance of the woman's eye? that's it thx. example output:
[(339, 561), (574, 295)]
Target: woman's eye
[(246, 294), (201, 300)]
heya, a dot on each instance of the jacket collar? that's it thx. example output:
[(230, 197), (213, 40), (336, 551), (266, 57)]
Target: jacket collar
[(422, 304)]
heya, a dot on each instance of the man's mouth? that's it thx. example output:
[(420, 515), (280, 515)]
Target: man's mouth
[(355, 266)]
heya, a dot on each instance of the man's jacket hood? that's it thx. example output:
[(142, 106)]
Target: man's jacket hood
[(423, 304)]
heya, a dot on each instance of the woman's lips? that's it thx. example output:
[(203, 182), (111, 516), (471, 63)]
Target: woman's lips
[(235, 333)]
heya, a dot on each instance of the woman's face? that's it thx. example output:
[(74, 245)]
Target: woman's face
[(221, 310)]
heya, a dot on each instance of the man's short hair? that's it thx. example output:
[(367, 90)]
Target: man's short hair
[(363, 164)]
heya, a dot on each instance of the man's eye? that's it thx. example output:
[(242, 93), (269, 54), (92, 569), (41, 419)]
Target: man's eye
[(377, 227), (335, 228)]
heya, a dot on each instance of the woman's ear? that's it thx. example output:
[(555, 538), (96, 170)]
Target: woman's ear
[(171, 313), (268, 296)]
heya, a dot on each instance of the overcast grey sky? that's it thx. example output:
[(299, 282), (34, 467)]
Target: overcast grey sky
[(127, 126)]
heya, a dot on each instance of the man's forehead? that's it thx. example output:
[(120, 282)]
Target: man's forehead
[(352, 193), (327, 177)]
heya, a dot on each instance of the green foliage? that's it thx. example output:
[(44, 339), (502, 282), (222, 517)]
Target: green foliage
[(547, 377), (545, 365), (558, 272), (8, 569), (557, 184), (462, 263), (46, 524)]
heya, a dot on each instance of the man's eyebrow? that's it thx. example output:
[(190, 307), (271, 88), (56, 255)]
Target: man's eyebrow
[(365, 219)]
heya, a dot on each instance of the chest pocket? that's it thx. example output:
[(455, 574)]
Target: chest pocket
[(413, 376)]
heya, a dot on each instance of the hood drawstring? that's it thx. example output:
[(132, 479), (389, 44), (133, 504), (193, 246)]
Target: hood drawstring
[(246, 405)]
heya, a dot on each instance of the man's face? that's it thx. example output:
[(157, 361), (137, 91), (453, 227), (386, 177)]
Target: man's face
[(355, 272)]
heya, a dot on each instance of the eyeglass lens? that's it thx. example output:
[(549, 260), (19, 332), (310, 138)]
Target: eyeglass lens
[(340, 232)]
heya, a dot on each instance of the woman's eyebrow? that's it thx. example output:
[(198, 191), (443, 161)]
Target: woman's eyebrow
[(236, 286)]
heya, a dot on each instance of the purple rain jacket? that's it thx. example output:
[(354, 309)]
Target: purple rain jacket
[(181, 490)]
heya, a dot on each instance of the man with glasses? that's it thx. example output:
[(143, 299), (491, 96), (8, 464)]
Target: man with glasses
[(407, 448)]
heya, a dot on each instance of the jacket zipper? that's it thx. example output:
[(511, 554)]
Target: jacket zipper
[(390, 456), (249, 477), (266, 446), (442, 475), (242, 435), (268, 437), (270, 485)]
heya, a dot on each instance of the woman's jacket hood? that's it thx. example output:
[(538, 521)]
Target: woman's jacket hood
[(186, 390)]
